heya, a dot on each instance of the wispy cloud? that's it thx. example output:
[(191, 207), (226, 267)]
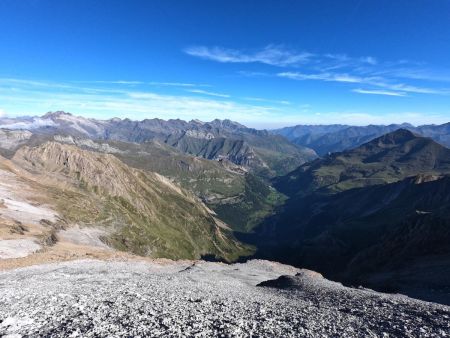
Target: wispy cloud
[(152, 83), (24, 97), (38, 97), (204, 92), (391, 76), (334, 77), (372, 81), (121, 82), (260, 99), (378, 92), (271, 55), (178, 84), (254, 74)]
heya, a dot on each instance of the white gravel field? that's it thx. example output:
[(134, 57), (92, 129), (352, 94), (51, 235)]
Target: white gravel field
[(138, 299)]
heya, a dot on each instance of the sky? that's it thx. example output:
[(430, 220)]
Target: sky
[(266, 64)]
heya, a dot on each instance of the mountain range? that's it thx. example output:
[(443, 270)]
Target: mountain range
[(363, 205), (266, 154), (326, 139)]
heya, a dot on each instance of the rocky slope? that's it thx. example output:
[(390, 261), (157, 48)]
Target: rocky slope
[(140, 212), (10, 140), (92, 298), (238, 197)]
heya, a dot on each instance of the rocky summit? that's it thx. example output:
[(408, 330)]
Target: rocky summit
[(199, 299)]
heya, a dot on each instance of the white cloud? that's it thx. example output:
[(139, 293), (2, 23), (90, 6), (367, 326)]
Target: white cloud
[(372, 81), (378, 92), (204, 92), (178, 84), (270, 55), (34, 123), (260, 99)]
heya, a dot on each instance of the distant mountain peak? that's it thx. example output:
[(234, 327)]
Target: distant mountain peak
[(197, 121), (398, 136), (226, 123), (56, 114)]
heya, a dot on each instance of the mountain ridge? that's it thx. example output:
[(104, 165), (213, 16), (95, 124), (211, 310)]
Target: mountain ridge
[(385, 159), (325, 139), (266, 154)]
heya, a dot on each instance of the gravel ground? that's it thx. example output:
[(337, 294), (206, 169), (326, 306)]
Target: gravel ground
[(132, 299)]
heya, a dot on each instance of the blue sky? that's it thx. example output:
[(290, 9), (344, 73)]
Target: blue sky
[(263, 63)]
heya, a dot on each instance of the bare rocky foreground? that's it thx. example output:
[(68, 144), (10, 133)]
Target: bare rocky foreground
[(128, 298)]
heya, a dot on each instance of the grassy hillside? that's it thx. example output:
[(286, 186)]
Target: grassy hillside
[(239, 198), (248, 209), (144, 212), (386, 159)]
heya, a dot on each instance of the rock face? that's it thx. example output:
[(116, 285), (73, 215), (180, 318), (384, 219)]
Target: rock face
[(10, 140), (93, 298)]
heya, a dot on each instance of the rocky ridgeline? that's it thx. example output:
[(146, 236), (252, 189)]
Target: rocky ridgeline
[(96, 299)]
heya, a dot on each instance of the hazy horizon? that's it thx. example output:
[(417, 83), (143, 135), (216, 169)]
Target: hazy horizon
[(40, 116)]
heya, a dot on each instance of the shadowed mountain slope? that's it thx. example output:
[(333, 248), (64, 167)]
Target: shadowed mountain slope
[(377, 215)]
